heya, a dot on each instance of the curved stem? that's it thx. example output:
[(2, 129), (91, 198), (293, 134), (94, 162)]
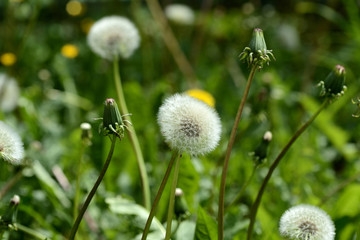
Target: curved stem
[(276, 162), (238, 196), (133, 137), (77, 185), (228, 152), (158, 195), (171, 42), (93, 191), (172, 199)]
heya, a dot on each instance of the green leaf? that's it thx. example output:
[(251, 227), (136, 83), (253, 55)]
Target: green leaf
[(206, 227)]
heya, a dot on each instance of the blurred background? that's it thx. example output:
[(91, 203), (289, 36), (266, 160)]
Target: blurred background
[(57, 83)]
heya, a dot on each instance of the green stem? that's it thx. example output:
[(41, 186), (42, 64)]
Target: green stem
[(31, 232), (228, 152), (133, 137), (238, 196), (172, 199), (9, 184), (93, 191), (276, 162), (158, 195), (77, 186)]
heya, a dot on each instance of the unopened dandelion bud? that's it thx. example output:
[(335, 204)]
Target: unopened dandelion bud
[(257, 53), (260, 152), (357, 102), (86, 133), (112, 120), (334, 84), (180, 207), (9, 216), (306, 222)]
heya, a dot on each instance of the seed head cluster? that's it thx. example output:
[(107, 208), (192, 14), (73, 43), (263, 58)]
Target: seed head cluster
[(306, 222), (189, 125), (113, 36)]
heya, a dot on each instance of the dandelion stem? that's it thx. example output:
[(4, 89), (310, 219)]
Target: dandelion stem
[(172, 199), (174, 156), (9, 184), (276, 162), (228, 152), (171, 42), (77, 185), (93, 191), (133, 137), (238, 196)]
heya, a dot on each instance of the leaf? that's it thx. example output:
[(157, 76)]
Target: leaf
[(206, 227), (124, 206)]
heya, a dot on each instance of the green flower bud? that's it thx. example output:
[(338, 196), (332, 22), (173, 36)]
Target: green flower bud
[(180, 207), (333, 86), (357, 102), (260, 153), (112, 120), (9, 217), (257, 52)]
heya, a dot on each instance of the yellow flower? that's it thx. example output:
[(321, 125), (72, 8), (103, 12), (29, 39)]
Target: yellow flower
[(8, 59), (69, 51), (86, 24), (202, 95), (74, 8)]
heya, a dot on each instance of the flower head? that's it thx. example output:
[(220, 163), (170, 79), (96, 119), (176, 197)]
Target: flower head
[(180, 13), (257, 53), (189, 125), (260, 152), (333, 85), (113, 123), (11, 146), (9, 93), (113, 36), (69, 51), (202, 95), (306, 222), (8, 59)]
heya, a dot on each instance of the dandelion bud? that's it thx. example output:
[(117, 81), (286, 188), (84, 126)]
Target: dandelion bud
[(306, 222), (357, 102), (260, 152), (189, 125), (333, 86), (180, 207), (112, 120), (257, 52), (9, 216), (11, 146), (86, 133)]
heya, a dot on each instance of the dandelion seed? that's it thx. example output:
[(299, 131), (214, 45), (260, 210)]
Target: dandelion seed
[(180, 14), (306, 222), (113, 36), (11, 146), (189, 125)]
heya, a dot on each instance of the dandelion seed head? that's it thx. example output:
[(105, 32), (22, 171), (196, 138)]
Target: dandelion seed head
[(9, 93), (189, 125), (180, 14), (113, 36), (306, 222), (11, 146)]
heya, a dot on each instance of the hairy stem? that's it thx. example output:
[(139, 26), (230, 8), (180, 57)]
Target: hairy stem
[(273, 166), (93, 191), (175, 155), (133, 137), (228, 152)]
